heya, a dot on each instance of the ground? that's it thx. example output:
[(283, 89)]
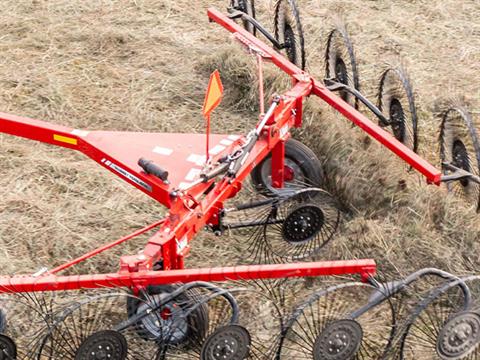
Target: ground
[(144, 65)]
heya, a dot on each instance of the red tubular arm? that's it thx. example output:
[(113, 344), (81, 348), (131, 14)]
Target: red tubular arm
[(17, 284), (38, 130)]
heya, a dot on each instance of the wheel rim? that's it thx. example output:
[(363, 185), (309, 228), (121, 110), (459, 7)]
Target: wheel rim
[(397, 118), (230, 342), (295, 177), (342, 76), (168, 324), (103, 345), (461, 159), (8, 348), (458, 336), (290, 43), (93, 322), (302, 224), (340, 340)]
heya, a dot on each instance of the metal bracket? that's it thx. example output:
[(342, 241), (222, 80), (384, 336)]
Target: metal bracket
[(458, 174), (236, 14)]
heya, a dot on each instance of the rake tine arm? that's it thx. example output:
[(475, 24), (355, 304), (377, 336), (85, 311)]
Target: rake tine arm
[(386, 290), (333, 85)]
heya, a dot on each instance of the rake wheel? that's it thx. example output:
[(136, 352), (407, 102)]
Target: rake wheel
[(289, 32), (397, 102), (460, 146), (331, 325), (302, 169), (340, 62), (444, 325), (247, 7), (24, 320), (98, 326), (291, 227), (243, 328)]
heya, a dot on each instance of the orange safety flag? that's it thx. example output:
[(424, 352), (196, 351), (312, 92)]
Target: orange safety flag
[(214, 94)]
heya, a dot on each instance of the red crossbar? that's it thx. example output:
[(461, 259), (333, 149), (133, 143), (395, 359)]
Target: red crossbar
[(16, 284)]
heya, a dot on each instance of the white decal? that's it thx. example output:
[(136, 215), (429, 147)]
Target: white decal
[(182, 244), (193, 174), (226, 142), (81, 133), (197, 159), (284, 130), (127, 175), (184, 185), (217, 149), (163, 151)]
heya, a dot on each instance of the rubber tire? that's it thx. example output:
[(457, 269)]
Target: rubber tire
[(197, 320), (303, 156)]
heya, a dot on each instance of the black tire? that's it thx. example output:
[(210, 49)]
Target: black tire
[(197, 321), (397, 102), (288, 31), (248, 7), (460, 146), (341, 63), (303, 163)]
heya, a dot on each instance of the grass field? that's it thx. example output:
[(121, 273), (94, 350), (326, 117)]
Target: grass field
[(143, 66)]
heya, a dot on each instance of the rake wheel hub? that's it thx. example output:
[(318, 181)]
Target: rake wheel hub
[(103, 345), (340, 340), (231, 342), (461, 159), (397, 118), (303, 223), (8, 349), (459, 336)]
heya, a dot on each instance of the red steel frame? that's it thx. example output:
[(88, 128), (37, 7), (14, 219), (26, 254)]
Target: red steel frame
[(193, 209)]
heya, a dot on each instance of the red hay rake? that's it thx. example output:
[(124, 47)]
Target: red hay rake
[(169, 308)]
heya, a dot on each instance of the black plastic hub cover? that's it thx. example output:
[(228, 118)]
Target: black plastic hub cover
[(230, 342), (303, 223), (8, 349), (340, 340), (397, 119), (103, 345), (459, 336), (460, 159)]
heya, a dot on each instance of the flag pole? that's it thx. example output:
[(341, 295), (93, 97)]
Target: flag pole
[(208, 138)]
